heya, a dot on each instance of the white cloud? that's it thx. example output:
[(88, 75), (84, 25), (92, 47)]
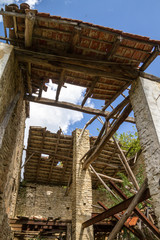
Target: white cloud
[(54, 117), (32, 3)]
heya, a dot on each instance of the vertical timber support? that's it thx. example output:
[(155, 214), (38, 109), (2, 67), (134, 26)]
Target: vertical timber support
[(81, 189), (145, 100)]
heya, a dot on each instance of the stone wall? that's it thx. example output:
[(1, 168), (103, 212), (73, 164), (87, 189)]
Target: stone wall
[(145, 99), (50, 201), (12, 140)]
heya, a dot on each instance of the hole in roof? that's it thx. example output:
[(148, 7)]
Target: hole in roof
[(59, 165), (44, 156)]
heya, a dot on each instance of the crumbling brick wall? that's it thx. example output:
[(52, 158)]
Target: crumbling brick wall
[(12, 141)]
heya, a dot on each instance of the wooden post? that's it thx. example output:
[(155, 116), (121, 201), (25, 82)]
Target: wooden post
[(29, 24)]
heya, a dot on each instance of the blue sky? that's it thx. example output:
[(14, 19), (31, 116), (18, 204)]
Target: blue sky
[(138, 17)]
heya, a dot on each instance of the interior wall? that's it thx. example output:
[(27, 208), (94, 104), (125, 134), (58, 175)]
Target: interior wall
[(43, 201), (12, 140)]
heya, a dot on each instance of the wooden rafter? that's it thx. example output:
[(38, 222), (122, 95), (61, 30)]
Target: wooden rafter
[(116, 95), (107, 136), (56, 148), (150, 59), (131, 229), (75, 39), (39, 160), (89, 67), (29, 25), (114, 48), (60, 84), (73, 107), (90, 91), (29, 84), (114, 210), (149, 224)]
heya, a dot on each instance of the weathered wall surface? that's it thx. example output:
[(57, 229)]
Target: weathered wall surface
[(81, 188), (145, 99), (49, 201), (12, 141), (43, 201)]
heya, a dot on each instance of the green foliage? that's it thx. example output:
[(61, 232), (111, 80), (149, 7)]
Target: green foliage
[(111, 200), (124, 184), (129, 141)]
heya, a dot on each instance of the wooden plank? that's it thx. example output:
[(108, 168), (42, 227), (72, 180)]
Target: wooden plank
[(126, 164), (104, 184), (8, 114), (149, 224), (29, 84), (72, 107), (114, 210), (128, 212), (39, 160), (29, 24), (107, 136), (55, 151), (90, 91), (75, 39), (131, 229), (60, 84), (88, 67), (150, 59), (114, 48)]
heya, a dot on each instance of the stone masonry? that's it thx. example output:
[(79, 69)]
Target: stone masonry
[(81, 189), (145, 99), (12, 140)]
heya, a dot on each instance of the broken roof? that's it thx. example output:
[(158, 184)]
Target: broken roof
[(49, 158), (103, 60)]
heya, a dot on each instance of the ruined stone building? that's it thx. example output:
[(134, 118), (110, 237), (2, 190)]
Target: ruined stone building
[(58, 196)]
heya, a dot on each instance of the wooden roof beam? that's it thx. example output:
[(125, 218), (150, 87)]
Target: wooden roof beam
[(56, 148), (60, 84), (114, 48), (131, 229), (149, 224), (29, 25), (129, 210), (42, 143), (89, 67), (72, 106), (107, 136), (75, 39), (29, 84), (150, 59), (114, 210), (90, 91)]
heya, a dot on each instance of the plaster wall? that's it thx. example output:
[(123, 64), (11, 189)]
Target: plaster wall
[(12, 140)]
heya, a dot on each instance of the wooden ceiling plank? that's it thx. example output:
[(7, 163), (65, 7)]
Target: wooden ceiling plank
[(56, 148), (90, 91), (39, 160), (150, 59), (114, 48)]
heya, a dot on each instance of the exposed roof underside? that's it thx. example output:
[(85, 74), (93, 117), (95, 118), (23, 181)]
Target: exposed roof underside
[(59, 148), (101, 59)]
